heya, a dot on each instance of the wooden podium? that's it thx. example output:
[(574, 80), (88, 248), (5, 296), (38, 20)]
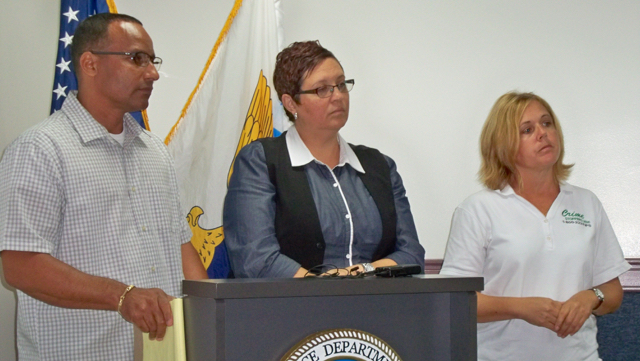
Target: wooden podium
[(424, 317)]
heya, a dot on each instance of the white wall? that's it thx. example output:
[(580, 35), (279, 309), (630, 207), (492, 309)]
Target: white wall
[(28, 45), (427, 73)]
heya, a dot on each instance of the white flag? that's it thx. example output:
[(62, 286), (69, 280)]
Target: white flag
[(233, 104)]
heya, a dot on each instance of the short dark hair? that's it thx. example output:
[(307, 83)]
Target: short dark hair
[(294, 64), (93, 32)]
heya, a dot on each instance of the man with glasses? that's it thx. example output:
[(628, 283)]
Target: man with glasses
[(91, 229)]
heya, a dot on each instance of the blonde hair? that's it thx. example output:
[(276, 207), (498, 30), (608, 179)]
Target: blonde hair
[(500, 141)]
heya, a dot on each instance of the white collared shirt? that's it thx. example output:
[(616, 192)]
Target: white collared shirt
[(520, 252)]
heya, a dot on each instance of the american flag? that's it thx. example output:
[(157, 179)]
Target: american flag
[(72, 12)]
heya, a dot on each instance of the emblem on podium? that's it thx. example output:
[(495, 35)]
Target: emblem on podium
[(342, 345)]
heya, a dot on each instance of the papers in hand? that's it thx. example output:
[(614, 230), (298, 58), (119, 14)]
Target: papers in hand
[(171, 348)]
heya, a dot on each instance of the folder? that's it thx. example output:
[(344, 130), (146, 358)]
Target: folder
[(171, 348)]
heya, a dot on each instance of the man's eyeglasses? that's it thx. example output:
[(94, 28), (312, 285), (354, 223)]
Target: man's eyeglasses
[(325, 91), (140, 58)]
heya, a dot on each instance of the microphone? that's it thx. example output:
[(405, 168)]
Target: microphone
[(401, 270)]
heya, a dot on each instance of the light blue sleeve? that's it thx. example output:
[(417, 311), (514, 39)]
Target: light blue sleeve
[(249, 219), (408, 248)]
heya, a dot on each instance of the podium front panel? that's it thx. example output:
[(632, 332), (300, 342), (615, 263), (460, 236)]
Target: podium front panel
[(428, 318)]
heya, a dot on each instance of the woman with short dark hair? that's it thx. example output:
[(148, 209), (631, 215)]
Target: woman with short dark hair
[(308, 197)]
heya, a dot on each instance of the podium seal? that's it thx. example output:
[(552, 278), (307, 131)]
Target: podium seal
[(342, 345)]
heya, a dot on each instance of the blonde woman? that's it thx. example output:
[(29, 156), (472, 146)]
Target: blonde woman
[(546, 249)]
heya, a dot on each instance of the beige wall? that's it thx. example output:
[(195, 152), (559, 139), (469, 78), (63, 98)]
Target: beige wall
[(427, 73)]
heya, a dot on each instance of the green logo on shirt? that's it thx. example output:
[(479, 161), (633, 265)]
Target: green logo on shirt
[(575, 218)]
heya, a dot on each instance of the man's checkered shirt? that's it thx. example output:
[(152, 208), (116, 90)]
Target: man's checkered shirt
[(67, 188)]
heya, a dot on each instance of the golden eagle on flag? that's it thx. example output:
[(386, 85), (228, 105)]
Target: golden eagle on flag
[(231, 106)]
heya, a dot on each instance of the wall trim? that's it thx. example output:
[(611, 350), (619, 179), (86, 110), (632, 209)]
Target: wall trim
[(630, 281), (432, 266)]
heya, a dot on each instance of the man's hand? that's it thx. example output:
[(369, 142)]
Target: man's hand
[(149, 309)]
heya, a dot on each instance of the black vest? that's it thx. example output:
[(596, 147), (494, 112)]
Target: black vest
[(297, 224)]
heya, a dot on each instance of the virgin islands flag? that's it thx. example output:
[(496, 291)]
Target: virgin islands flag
[(72, 12), (233, 104)]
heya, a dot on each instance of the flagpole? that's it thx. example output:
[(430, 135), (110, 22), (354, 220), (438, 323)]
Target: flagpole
[(221, 37)]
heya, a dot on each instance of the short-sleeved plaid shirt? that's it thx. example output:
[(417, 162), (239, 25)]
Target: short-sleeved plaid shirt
[(67, 188)]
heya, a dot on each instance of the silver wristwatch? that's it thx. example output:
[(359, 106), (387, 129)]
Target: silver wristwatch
[(600, 296), (368, 267)]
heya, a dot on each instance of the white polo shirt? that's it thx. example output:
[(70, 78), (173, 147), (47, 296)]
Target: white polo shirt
[(521, 253)]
